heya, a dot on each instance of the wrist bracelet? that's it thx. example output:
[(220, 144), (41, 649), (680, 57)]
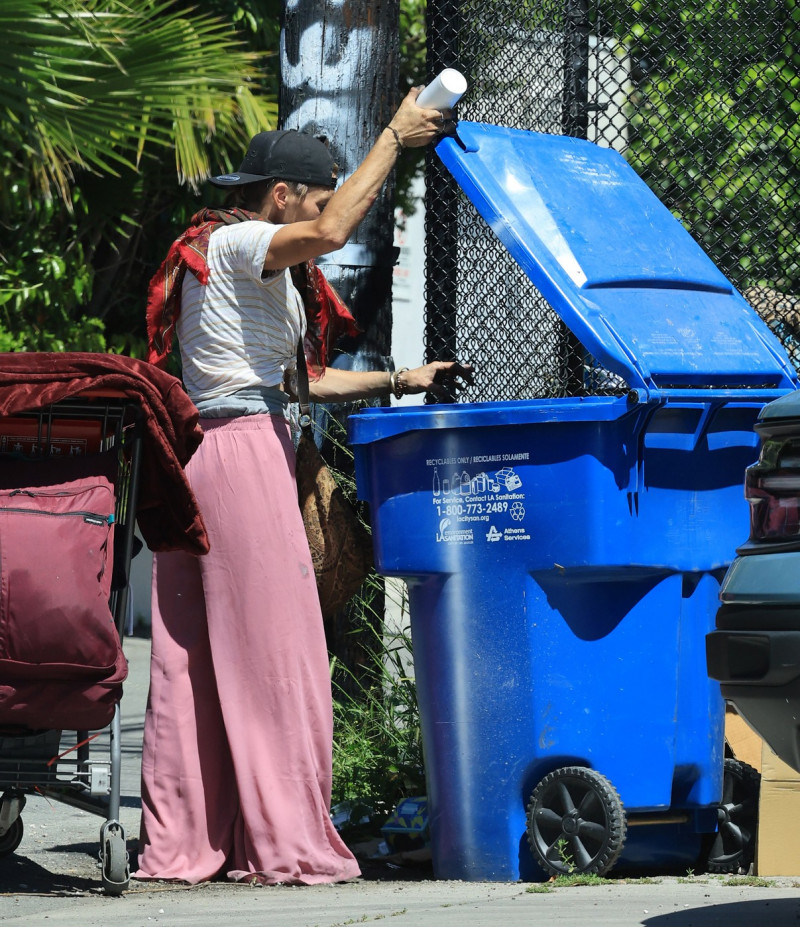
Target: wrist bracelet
[(400, 145), (395, 384)]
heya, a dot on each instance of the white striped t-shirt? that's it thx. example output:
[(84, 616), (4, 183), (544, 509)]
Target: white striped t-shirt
[(239, 330)]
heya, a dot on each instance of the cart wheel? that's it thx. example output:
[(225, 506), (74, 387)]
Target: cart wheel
[(12, 838), (576, 822), (734, 843), (114, 861)]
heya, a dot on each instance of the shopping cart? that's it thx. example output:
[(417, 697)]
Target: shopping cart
[(95, 432)]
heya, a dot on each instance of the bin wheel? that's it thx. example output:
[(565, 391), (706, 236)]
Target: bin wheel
[(12, 838), (576, 822), (114, 861), (733, 847)]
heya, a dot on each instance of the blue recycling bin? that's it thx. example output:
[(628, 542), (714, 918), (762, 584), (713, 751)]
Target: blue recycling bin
[(564, 556)]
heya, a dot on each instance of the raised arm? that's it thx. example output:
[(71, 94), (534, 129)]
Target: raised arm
[(410, 127)]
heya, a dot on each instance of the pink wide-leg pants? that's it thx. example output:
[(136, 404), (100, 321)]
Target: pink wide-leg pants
[(236, 768)]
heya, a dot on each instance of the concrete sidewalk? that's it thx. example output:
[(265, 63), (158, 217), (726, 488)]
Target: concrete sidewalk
[(54, 876), (658, 903)]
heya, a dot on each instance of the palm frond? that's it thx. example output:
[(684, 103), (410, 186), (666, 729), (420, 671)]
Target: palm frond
[(94, 83)]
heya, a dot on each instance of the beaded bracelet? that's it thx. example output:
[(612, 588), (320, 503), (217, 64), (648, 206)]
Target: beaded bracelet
[(395, 386)]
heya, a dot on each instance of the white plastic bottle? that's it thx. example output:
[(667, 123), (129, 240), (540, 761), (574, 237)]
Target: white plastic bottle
[(444, 91)]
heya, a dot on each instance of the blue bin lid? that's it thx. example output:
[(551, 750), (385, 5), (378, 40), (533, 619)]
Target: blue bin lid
[(624, 275)]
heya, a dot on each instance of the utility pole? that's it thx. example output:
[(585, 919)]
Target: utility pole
[(339, 79)]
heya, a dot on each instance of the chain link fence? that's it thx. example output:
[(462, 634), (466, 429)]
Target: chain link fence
[(700, 96)]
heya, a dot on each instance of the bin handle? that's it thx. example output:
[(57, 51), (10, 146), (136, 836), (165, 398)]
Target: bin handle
[(711, 406), (740, 395)]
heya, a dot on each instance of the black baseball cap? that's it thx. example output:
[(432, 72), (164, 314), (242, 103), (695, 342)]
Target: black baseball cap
[(283, 154)]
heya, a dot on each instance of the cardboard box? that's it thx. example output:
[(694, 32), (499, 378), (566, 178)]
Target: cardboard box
[(778, 842), (774, 769), (745, 744)]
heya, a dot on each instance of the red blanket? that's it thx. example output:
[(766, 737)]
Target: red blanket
[(168, 515)]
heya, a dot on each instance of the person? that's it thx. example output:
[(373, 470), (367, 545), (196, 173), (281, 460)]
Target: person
[(237, 756)]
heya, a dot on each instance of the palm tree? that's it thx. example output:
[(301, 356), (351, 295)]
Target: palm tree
[(92, 84), (112, 112)]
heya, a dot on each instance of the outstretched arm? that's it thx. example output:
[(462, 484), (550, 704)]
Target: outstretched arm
[(442, 378)]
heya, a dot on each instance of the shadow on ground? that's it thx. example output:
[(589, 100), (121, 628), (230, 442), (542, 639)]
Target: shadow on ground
[(78, 873), (776, 912)]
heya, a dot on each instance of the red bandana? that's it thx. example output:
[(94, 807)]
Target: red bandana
[(327, 317)]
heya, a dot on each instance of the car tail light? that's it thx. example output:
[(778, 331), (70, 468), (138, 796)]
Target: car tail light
[(772, 487)]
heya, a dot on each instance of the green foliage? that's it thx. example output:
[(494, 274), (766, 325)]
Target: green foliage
[(716, 129), (412, 43), (94, 84), (412, 74), (112, 115), (45, 282), (749, 882), (106, 109), (562, 848), (573, 880), (258, 23), (377, 746)]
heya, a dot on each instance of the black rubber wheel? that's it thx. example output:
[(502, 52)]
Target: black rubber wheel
[(12, 838), (576, 822), (733, 846)]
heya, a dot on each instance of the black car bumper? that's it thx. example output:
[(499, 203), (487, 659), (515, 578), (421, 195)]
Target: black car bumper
[(755, 655)]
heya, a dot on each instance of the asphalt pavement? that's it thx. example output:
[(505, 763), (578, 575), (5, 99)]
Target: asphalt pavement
[(54, 877)]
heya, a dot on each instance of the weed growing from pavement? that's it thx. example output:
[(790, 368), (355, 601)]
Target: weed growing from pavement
[(564, 855), (751, 881), (582, 878), (569, 881), (368, 917), (377, 743)]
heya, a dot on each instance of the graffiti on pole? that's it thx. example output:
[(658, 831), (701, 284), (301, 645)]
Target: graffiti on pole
[(339, 80), (327, 70)]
